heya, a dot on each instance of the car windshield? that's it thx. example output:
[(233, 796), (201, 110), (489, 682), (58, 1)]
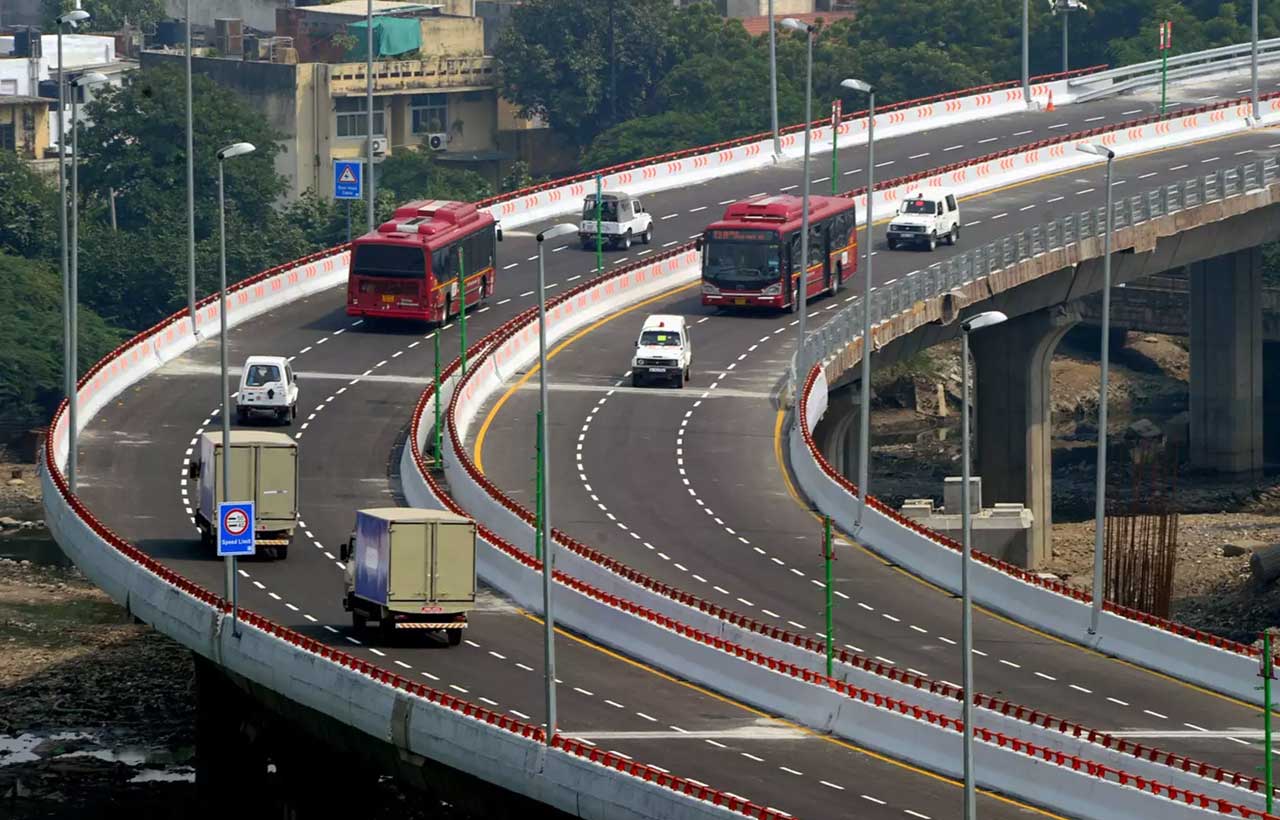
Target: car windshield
[(608, 210), (260, 374), (398, 261), (919, 206), (659, 338), (741, 265)]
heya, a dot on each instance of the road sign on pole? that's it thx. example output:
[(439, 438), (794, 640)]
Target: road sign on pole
[(235, 528), (1166, 43), (348, 179)]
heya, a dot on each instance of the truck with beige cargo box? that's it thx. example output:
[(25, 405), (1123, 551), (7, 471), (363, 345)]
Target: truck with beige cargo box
[(264, 470), (410, 569)]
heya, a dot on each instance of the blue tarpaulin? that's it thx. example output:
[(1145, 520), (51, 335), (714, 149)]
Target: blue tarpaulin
[(392, 36)]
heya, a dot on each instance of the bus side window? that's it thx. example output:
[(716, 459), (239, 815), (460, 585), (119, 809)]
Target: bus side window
[(440, 265), (817, 244), (794, 255)]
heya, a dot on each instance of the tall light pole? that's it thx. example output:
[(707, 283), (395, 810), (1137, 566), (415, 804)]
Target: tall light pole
[(73, 278), (70, 376), (1026, 52), (773, 81), (1065, 7), (368, 104), (1100, 490), (1257, 111), (796, 25), (987, 319), (864, 412), (191, 187), (233, 150), (548, 548)]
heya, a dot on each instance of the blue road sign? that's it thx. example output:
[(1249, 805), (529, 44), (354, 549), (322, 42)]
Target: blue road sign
[(348, 179), (235, 528)]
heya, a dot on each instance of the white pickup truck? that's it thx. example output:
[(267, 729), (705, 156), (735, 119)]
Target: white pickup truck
[(622, 220), (925, 219)]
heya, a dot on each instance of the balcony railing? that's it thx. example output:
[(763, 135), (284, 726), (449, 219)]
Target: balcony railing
[(412, 75)]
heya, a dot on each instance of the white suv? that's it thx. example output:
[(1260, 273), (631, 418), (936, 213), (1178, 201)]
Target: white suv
[(622, 220), (267, 385), (663, 351), (925, 220)]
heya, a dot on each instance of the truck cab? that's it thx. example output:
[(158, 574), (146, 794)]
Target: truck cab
[(663, 351), (268, 386), (622, 220), (924, 220)]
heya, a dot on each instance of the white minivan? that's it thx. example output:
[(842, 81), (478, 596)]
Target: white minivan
[(925, 219), (622, 220), (663, 351), (267, 385)]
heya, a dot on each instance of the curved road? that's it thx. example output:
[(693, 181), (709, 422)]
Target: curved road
[(358, 389)]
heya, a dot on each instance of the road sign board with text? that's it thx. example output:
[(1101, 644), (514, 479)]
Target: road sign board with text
[(235, 528), (348, 179)]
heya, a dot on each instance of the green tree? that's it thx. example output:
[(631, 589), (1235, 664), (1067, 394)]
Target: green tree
[(555, 59), (31, 340), (416, 174), (28, 210), (106, 15)]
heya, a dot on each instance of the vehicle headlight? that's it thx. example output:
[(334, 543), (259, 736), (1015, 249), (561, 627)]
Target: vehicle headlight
[(709, 289), (773, 290)]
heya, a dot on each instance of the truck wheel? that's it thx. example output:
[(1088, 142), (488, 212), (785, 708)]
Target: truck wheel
[(893, 244), (626, 241), (680, 380), (359, 623), (688, 373), (293, 410), (242, 415), (647, 236), (283, 416), (588, 244), (386, 629), (954, 237), (933, 241), (635, 379), (454, 636), (282, 552), (206, 538)]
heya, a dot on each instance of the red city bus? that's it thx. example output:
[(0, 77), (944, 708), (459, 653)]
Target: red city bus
[(408, 268), (744, 254)]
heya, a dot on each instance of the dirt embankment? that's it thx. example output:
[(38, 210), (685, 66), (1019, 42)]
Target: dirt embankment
[(916, 446)]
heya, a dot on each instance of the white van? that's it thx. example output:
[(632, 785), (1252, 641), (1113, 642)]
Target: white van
[(267, 385), (622, 219), (663, 351), (925, 219)]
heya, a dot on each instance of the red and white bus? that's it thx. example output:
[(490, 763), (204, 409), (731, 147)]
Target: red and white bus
[(408, 268), (745, 253)]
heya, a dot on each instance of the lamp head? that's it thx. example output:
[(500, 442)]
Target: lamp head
[(1096, 149), (72, 17), (554, 231), (984, 319), (235, 149), (796, 25), (88, 78), (857, 85)]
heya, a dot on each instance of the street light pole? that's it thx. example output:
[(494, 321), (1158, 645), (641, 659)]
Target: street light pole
[(1026, 52), (773, 82), (368, 104), (70, 374), (1257, 111), (191, 187), (864, 391), (548, 548), (233, 150), (1100, 489), (1065, 62), (992, 317), (796, 25)]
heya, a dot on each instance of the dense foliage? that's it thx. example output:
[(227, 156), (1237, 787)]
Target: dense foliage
[(686, 76)]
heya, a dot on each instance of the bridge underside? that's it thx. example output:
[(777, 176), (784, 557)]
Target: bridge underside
[(1221, 245)]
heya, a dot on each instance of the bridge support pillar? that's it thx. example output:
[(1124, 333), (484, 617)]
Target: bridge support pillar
[(1226, 363), (1271, 402), (837, 435), (1014, 416)]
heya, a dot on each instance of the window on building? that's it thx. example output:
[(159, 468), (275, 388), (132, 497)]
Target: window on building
[(8, 138), (352, 116), (430, 113), (8, 86)]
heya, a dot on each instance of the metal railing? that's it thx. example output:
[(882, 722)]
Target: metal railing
[(1209, 61), (845, 326)]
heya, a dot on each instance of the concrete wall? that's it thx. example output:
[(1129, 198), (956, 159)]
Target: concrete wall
[(259, 14), (757, 8), (452, 36)]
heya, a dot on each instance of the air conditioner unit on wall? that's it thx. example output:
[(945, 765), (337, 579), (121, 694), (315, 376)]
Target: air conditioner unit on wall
[(437, 142), (379, 148)]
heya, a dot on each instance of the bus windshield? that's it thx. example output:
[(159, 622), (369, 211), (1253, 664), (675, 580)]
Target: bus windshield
[(739, 265), (396, 261)]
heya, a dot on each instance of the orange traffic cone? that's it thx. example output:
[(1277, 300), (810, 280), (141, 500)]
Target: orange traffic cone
[(1049, 107)]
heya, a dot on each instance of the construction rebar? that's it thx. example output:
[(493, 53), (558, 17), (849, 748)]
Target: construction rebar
[(1142, 541)]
